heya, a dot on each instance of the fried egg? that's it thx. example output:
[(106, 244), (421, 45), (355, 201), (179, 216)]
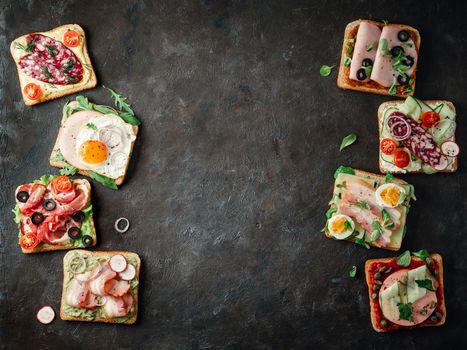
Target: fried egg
[(341, 226), (390, 195), (97, 142)]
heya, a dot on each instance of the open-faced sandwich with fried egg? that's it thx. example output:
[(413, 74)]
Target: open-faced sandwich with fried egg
[(96, 140), (100, 286), (417, 136), (54, 213), (53, 63), (368, 209), (406, 292)]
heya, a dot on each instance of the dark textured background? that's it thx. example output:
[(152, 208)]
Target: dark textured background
[(231, 174)]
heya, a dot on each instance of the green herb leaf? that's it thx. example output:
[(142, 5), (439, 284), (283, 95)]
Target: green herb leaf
[(129, 118), (52, 50), (44, 179), (349, 49), (330, 212), (389, 177), (72, 79), (405, 311), (325, 70), (347, 61), (385, 21), (393, 89), (83, 103), (120, 101), (353, 271), (361, 241), (364, 205), (17, 213), (340, 186), (68, 65), (104, 180), (344, 170), (368, 70), (407, 45), (91, 126), (404, 259), (377, 231), (350, 40), (348, 225), (383, 47), (68, 170), (46, 72), (422, 254), (370, 46), (347, 141), (426, 283), (105, 109), (28, 48), (385, 215)]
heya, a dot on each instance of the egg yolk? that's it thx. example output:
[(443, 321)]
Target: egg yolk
[(338, 225), (391, 195), (93, 152)]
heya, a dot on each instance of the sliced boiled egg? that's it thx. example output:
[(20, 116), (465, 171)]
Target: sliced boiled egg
[(390, 195), (341, 226)]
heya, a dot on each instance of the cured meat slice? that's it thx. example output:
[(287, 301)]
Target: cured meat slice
[(117, 306), (366, 45), (79, 295), (117, 288), (51, 62), (78, 203), (36, 193), (97, 284), (419, 142)]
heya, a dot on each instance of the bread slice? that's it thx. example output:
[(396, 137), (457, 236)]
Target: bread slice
[(103, 255), (375, 312), (50, 91), (56, 149), (45, 247), (343, 80), (394, 245), (383, 107)]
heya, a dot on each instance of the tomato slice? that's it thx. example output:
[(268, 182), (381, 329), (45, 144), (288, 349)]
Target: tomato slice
[(29, 241), (71, 38), (32, 91), (401, 158), (387, 146), (430, 119), (62, 184)]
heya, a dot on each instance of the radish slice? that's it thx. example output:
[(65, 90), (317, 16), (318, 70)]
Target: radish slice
[(443, 163), (450, 149), (129, 273), (46, 314), (118, 263)]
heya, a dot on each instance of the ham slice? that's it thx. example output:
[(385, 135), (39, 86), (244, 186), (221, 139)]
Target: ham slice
[(117, 306), (367, 37), (116, 288), (383, 72), (97, 284)]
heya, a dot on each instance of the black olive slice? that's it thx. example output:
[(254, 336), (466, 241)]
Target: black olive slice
[(409, 61), (87, 240), (367, 62), (22, 196), (403, 79), (37, 218), (74, 232), (361, 74), (49, 204), (396, 50), (403, 36), (78, 216)]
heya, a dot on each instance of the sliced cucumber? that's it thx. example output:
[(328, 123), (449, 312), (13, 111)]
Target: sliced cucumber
[(428, 169), (447, 113), (423, 106), (410, 107), (444, 131), (384, 127)]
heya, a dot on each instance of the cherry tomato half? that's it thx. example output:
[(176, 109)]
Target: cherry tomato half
[(32, 91), (62, 184), (401, 158), (71, 38), (387, 146), (28, 241), (430, 119)]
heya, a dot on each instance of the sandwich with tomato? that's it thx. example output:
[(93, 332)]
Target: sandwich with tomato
[(417, 136), (53, 64), (54, 213)]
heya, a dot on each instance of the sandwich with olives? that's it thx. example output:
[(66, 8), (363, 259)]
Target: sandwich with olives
[(54, 213), (379, 57), (406, 292)]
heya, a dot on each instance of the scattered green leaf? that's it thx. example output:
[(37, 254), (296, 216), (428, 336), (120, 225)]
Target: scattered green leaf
[(353, 271), (28, 48), (349, 49), (344, 170), (68, 170), (388, 178), (405, 311), (348, 225), (422, 254), (347, 141), (370, 46), (120, 101), (331, 212), (363, 205), (91, 126), (325, 70), (426, 283), (404, 259), (347, 61), (104, 180), (68, 65), (368, 70)]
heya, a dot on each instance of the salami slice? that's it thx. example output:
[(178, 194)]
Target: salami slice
[(419, 142), (51, 62)]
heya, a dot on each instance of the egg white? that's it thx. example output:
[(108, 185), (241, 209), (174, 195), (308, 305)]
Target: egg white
[(344, 234), (380, 200)]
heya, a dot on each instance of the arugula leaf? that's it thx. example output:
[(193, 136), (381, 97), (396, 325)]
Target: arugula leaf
[(389, 177), (120, 101), (325, 70), (393, 89), (344, 170), (353, 271), (348, 140), (91, 126), (404, 259), (370, 46), (129, 118), (104, 180), (330, 212), (83, 103), (348, 225), (347, 61), (383, 47), (44, 180), (422, 254), (105, 109), (68, 170), (361, 241), (405, 311), (426, 283)]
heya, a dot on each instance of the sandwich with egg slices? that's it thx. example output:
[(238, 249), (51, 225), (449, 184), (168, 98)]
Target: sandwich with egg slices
[(368, 209), (96, 140)]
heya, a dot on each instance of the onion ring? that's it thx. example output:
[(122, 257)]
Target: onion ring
[(102, 301), (125, 228), (399, 122)]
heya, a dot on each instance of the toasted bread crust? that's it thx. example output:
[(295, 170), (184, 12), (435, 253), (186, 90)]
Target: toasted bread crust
[(45, 247), (440, 278), (379, 177), (343, 80), (60, 90), (133, 319), (57, 164), (393, 103)]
